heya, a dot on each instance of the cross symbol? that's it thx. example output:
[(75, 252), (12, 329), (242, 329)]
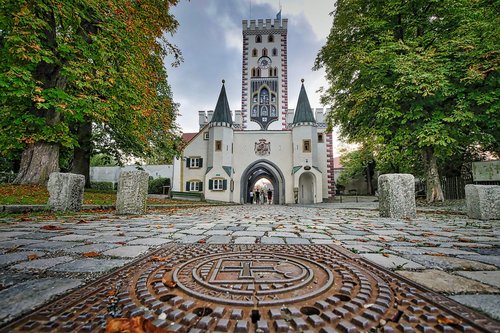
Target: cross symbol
[(247, 269)]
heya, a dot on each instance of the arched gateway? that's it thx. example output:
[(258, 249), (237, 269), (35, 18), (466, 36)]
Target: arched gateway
[(263, 169)]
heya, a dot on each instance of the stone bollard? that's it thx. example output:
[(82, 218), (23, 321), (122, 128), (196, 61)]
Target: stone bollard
[(483, 201), (397, 195), (65, 191), (132, 192)]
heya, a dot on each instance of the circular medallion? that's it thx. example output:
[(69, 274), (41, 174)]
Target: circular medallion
[(247, 278)]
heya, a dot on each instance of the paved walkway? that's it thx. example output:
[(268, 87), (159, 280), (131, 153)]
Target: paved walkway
[(447, 253)]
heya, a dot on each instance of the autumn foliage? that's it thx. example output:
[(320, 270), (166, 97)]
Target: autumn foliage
[(66, 63)]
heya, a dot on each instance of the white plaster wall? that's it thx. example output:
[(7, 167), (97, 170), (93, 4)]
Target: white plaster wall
[(197, 148), (281, 156), (112, 174), (322, 164)]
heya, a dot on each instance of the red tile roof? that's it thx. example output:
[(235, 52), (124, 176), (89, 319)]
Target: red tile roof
[(186, 137)]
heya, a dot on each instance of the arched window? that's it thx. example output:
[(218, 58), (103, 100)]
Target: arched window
[(254, 111), (264, 52), (270, 72), (254, 52), (263, 111), (264, 96), (258, 39), (275, 71), (258, 72), (270, 38), (253, 72), (275, 52)]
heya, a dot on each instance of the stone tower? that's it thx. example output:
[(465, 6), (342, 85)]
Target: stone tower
[(264, 97)]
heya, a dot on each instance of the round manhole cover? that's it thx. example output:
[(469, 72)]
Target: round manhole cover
[(250, 278)]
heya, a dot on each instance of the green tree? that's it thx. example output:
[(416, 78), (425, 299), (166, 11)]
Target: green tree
[(357, 163), (69, 66), (420, 77)]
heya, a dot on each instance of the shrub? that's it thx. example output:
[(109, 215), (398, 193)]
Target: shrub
[(156, 185), (102, 186)]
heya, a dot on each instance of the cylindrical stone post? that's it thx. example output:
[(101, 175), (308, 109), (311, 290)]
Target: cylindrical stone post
[(397, 195), (65, 191), (483, 201), (132, 192)]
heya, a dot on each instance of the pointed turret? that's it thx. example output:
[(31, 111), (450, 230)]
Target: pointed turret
[(303, 112), (222, 113)]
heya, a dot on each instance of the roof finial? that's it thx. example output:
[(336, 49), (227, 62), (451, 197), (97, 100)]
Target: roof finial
[(302, 80), (223, 81)]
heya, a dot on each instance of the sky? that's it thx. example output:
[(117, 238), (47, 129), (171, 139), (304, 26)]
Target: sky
[(210, 39)]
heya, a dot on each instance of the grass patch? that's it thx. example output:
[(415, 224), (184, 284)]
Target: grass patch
[(38, 195)]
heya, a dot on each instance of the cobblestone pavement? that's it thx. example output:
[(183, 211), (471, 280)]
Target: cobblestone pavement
[(448, 253)]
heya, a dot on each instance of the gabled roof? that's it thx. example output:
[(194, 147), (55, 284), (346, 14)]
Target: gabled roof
[(222, 113), (303, 112)]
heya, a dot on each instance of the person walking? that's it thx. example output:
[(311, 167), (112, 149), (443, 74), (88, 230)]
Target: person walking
[(262, 197), (257, 199), (251, 196), (269, 196)]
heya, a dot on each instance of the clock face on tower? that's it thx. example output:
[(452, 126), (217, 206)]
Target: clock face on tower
[(264, 62)]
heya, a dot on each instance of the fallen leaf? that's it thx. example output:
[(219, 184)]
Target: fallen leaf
[(202, 241), (91, 254), (280, 226), (364, 240), (449, 320), (82, 222), (120, 243), (112, 292), (465, 240), (26, 219), (385, 255), (436, 254), (171, 225), (52, 227), (167, 280), (427, 234), (32, 257), (158, 258)]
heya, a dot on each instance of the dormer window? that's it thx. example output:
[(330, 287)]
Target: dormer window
[(270, 38), (258, 39), (264, 52)]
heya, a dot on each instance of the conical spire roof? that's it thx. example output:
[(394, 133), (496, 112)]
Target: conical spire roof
[(303, 112), (222, 113)]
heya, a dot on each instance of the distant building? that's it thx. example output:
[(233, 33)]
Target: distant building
[(264, 139)]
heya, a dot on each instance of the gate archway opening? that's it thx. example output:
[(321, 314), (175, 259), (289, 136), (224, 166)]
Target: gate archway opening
[(259, 170)]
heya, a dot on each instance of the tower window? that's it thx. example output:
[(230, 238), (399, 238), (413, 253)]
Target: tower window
[(253, 72), (270, 38), (218, 145), (275, 52), (306, 146), (254, 52), (270, 72), (258, 72), (258, 39), (264, 52), (320, 138), (275, 71)]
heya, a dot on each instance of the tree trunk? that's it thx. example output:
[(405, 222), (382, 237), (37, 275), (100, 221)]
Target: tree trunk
[(368, 180), (81, 154), (434, 191), (38, 161)]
